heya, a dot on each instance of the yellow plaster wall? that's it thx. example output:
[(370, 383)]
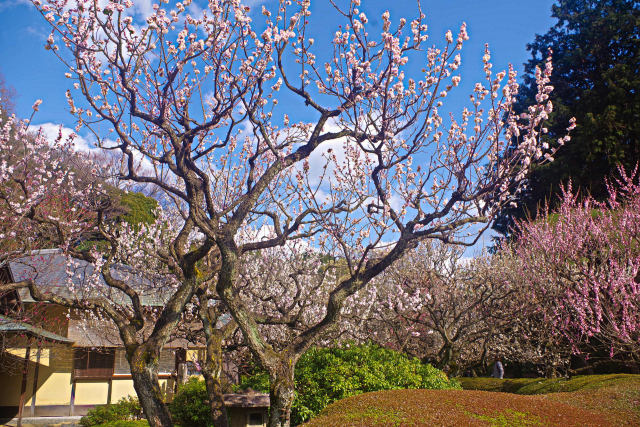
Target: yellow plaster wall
[(54, 390), (55, 384), (195, 355), (54, 377), (91, 392), (121, 388), (20, 352), (166, 386), (54, 380)]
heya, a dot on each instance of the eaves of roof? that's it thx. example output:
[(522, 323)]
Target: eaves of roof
[(8, 325)]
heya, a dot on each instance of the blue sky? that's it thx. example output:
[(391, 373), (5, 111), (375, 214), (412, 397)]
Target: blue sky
[(507, 25)]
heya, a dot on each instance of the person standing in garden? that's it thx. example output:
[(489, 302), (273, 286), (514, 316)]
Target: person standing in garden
[(498, 369)]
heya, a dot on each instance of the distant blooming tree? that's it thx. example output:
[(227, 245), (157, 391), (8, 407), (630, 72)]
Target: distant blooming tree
[(287, 289), (189, 98), (581, 265), (436, 305), (42, 195)]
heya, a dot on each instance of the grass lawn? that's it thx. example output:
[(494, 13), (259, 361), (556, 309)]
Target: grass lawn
[(597, 400)]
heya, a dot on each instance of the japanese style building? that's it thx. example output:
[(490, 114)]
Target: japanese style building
[(57, 362)]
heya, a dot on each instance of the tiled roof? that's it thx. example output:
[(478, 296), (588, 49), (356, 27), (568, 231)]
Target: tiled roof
[(54, 272), (247, 400), (9, 325)]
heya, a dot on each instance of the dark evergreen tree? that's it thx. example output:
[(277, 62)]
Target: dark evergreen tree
[(596, 46)]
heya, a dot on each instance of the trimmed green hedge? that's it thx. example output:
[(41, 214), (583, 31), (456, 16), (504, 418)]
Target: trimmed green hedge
[(548, 385), (139, 207)]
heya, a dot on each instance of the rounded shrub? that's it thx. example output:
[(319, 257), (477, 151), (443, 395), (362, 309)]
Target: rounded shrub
[(190, 405), (140, 208), (126, 409)]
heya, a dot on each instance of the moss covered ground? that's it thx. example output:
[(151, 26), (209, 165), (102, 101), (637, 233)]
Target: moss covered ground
[(453, 408), (615, 395), (596, 400)]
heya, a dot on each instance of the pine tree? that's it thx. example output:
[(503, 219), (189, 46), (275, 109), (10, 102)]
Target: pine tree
[(596, 77)]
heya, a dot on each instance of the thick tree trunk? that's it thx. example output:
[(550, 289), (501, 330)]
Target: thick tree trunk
[(144, 372), (213, 364), (445, 355), (281, 394), (212, 370), (216, 401)]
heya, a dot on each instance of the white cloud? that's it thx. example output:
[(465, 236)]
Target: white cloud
[(318, 158), (195, 10), (51, 131), (144, 8), (39, 33), (253, 3), (6, 4)]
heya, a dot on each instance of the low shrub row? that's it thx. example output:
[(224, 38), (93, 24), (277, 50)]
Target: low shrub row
[(189, 409), (548, 385), (123, 423), (126, 410), (323, 376)]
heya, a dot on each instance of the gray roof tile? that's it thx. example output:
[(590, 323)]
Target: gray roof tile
[(53, 272)]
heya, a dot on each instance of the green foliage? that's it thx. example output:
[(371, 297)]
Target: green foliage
[(139, 208), (190, 407), (259, 381), (511, 385), (324, 375), (126, 409), (87, 245), (131, 208), (596, 78)]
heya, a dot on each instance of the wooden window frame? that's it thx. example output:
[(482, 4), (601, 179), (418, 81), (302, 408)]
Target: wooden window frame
[(103, 361)]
